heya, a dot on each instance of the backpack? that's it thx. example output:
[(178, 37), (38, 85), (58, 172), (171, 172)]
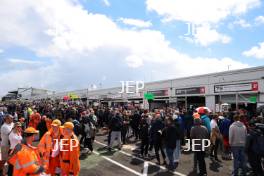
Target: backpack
[(92, 129), (77, 127)]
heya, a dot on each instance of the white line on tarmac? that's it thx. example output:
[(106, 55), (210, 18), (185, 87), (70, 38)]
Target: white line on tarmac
[(128, 154), (145, 171), (118, 164)]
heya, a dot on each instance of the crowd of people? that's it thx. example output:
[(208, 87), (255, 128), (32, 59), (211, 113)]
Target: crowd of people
[(237, 135), (34, 143)]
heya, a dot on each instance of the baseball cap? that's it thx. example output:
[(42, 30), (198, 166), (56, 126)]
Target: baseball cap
[(68, 125), (31, 130), (56, 122)]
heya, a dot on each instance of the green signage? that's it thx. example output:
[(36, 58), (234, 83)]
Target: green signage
[(149, 96), (253, 99)]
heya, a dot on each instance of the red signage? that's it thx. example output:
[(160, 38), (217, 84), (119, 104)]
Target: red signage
[(254, 86), (193, 90), (159, 92), (202, 90)]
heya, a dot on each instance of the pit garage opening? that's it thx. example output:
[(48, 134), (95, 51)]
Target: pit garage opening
[(189, 98)]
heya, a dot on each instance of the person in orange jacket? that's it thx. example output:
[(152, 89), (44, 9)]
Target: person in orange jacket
[(34, 119), (26, 160), (49, 148), (70, 151)]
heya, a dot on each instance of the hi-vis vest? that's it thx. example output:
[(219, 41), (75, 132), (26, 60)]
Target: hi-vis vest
[(26, 161), (45, 148), (70, 162)]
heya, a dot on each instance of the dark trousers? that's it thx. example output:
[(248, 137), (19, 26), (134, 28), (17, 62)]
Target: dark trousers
[(170, 156), (157, 148), (214, 148), (82, 139), (10, 169), (109, 138), (201, 162), (182, 141), (88, 143), (123, 134), (136, 132), (144, 147), (151, 145), (255, 163)]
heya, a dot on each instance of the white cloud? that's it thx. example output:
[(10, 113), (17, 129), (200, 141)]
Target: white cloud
[(205, 35), (259, 20), (79, 42), (134, 61), (23, 61), (243, 23), (106, 3), (202, 11), (207, 13), (255, 51), (136, 22), (1, 51)]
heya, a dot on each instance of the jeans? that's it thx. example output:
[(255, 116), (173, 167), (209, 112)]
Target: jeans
[(177, 151), (239, 159), (158, 147), (114, 135), (170, 155)]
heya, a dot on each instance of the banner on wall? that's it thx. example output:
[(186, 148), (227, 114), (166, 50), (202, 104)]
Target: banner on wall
[(252, 86)]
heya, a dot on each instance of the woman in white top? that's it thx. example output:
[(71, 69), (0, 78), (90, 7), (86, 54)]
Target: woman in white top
[(15, 138)]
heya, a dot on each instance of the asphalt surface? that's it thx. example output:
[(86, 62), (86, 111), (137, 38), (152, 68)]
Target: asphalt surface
[(127, 162)]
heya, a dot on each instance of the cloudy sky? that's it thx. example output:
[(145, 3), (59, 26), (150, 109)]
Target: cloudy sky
[(70, 44)]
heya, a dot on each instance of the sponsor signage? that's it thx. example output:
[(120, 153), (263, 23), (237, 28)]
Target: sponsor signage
[(134, 95), (253, 86), (73, 96), (193, 90), (149, 96), (158, 92), (253, 99)]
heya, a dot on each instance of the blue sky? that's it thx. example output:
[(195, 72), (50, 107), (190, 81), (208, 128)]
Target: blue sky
[(71, 44)]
